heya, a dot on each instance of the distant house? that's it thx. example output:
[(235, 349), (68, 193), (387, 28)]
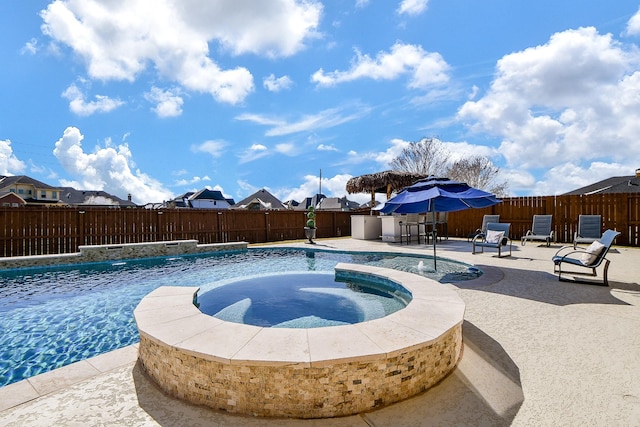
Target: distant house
[(309, 201), (261, 200), (98, 198), (32, 191), (617, 184), (11, 200), (291, 204), (182, 201), (337, 204), (203, 199)]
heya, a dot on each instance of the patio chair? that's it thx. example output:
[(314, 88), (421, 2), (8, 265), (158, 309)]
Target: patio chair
[(589, 229), (496, 236), (483, 229), (540, 230), (590, 258)]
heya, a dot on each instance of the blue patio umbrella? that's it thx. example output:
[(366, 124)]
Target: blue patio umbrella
[(438, 195)]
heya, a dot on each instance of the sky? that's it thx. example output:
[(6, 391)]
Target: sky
[(155, 98)]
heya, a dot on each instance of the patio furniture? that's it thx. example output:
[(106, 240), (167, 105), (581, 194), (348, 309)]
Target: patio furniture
[(590, 258), (427, 221), (485, 220), (442, 223), (589, 229), (540, 230), (408, 223), (496, 236)]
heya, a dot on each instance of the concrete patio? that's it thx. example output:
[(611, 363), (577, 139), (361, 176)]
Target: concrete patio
[(537, 352)]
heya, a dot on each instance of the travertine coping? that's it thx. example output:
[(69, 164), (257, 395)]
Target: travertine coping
[(301, 373)]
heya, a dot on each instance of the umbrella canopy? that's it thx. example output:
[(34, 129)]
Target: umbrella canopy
[(438, 195)]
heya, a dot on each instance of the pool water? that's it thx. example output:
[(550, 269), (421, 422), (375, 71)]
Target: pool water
[(51, 317), (303, 300)]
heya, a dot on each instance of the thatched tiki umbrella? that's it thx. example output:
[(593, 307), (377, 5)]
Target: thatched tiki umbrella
[(382, 182)]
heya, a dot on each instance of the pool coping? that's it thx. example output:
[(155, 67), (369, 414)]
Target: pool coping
[(388, 359)]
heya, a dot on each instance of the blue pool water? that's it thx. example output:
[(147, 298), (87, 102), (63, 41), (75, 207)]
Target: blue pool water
[(51, 317), (303, 300)]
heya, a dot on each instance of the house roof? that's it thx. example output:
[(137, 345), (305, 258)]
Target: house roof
[(206, 194), (337, 204), (309, 201), (71, 196), (12, 198), (616, 184), (262, 197), (6, 181)]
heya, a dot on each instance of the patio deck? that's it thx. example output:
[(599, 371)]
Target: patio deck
[(537, 352)]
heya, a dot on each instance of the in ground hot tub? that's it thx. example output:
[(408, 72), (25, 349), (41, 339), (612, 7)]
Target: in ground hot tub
[(298, 372)]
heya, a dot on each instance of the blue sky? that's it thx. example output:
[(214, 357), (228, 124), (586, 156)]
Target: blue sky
[(156, 98)]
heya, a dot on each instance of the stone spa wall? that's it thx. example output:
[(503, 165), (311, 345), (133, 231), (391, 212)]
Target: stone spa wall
[(301, 373)]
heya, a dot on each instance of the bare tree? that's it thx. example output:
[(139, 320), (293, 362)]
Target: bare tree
[(424, 157), (478, 172)]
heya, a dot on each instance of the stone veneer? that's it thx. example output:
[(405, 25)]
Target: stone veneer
[(301, 373), (98, 253)]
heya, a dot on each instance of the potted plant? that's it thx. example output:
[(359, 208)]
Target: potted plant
[(310, 229)]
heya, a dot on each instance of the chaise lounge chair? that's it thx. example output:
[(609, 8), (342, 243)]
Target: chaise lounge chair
[(496, 237), (483, 229), (589, 258), (589, 229), (540, 230)]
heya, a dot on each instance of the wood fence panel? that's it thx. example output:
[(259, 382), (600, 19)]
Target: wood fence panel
[(53, 230)]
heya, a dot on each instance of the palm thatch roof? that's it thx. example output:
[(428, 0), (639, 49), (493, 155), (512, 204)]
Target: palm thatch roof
[(382, 182)]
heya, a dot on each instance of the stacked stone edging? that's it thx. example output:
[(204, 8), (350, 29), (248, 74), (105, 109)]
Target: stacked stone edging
[(315, 388), (98, 253)]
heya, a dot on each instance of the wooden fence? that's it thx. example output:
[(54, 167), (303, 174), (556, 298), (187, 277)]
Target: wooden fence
[(54, 230), (619, 212)]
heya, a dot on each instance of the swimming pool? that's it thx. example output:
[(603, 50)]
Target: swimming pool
[(51, 317)]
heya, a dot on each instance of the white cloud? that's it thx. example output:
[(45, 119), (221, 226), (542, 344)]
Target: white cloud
[(107, 169), (412, 7), (191, 181), (79, 105), (323, 120), (214, 148), (287, 148), (362, 3), (633, 26), (9, 163), (331, 187), (30, 47), (168, 102), (255, 152), (574, 99), (323, 147), (120, 40), (425, 69), (273, 84)]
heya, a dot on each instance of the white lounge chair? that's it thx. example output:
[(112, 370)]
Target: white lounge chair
[(590, 258), (540, 230), (496, 236), (589, 229), (483, 229)]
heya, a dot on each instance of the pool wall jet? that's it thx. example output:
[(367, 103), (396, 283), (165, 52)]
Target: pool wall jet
[(301, 373)]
